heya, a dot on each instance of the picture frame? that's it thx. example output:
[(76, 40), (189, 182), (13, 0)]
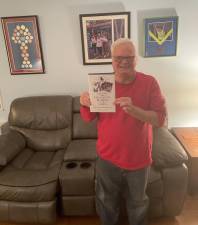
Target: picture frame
[(23, 44), (161, 36), (99, 31)]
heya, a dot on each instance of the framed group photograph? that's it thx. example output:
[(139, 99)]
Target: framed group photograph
[(161, 36), (99, 31), (23, 44)]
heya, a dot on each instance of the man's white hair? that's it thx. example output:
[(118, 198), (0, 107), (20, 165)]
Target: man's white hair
[(121, 41)]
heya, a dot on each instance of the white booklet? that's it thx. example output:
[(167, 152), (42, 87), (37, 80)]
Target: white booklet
[(102, 92)]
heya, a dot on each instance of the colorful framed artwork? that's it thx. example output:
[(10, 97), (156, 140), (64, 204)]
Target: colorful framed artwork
[(99, 31), (161, 36), (23, 44)]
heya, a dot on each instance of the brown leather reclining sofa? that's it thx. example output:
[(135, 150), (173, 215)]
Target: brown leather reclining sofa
[(47, 163)]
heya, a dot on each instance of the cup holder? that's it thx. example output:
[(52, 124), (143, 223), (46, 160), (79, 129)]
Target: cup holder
[(85, 165), (71, 165)]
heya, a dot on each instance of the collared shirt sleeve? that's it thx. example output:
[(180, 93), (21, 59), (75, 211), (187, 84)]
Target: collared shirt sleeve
[(158, 103)]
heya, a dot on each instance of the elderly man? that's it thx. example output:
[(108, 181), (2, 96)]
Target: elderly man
[(125, 138)]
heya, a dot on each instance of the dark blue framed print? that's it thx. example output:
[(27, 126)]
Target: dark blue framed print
[(23, 44), (161, 36)]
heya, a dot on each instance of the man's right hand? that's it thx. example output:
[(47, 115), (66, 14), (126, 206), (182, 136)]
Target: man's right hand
[(85, 99)]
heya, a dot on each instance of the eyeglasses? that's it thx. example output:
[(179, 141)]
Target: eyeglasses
[(121, 58)]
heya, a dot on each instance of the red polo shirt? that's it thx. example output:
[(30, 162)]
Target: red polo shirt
[(122, 139)]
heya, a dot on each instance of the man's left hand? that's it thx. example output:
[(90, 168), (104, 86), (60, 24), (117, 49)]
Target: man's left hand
[(143, 115), (126, 104)]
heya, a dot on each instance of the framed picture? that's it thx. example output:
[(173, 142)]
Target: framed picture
[(99, 31), (161, 36), (23, 44)]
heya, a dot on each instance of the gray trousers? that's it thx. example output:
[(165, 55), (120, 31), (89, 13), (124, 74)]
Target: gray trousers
[(112, 183)]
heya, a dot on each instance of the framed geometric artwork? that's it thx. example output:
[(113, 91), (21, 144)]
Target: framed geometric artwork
[(161, 36), (22, 39), (99, 31)]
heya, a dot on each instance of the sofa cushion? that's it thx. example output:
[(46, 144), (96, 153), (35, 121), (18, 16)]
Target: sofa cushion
[(167, 151), (32, 168), (81, 150), (82, 129), (45, 140), (45, 121), (41, 112), (76, 104)]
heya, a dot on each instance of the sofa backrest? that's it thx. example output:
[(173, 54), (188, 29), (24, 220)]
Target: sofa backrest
[(82, 129), (45, 121)]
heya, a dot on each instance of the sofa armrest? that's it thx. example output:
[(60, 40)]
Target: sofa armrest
[(175, 181), (5, 128), (167, 151), (11, 144)]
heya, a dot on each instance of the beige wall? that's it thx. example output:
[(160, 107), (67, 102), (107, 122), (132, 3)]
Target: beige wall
[(65, 74)]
